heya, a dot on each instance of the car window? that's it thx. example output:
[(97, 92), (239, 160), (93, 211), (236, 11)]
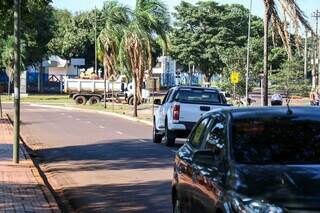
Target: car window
[(276, 140), (197, 96), (197, 133), (167, 97), (215, 137), (223, 99)]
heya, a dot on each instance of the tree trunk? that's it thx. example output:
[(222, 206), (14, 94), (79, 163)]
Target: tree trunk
[(265, 58), (135, 96), (314, 70)]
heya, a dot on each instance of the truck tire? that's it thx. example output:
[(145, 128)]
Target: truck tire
[(157, 138), (170, 137), (94, 100), (80, 100), (130, 100)]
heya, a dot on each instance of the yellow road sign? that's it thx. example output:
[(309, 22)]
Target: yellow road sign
[(235, 77)]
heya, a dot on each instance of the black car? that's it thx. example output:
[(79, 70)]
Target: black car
[(250, 160)]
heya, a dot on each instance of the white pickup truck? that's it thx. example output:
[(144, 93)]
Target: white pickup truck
[(181, 108)]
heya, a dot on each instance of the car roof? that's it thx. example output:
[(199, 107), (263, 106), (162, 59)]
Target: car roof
[(195, 87), (312, 113)]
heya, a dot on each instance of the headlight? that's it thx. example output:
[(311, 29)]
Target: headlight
[(252, 206)]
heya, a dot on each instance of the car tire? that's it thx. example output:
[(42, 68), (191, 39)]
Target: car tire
[(157, 138), (177, 206), (94, 100), (80, 100), (170, 137)]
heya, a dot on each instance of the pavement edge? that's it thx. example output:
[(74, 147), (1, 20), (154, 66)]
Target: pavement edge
[(57, 206)]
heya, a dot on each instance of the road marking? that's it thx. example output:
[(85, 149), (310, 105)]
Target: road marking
[(101, 127), (119, 132), (142, 140)]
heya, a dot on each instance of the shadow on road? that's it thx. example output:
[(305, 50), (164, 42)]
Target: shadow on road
[(140, 197), (104, 161), (110, 155)]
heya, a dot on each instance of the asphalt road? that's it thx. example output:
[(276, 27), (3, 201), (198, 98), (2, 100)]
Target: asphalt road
[(100, 163)]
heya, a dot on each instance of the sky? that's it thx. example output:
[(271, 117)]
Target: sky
[(308, 6)]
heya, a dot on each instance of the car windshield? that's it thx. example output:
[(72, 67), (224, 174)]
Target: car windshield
[(276, 141), (201, 96)]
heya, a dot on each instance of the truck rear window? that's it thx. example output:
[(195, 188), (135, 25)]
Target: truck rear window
[(197, 96)]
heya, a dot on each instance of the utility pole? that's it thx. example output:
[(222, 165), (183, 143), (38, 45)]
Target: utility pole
[(16, 138), (315, 77), (305, 72), (95, 41), (248, 55)]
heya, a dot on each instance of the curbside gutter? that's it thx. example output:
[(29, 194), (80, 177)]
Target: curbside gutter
[(149, 123)]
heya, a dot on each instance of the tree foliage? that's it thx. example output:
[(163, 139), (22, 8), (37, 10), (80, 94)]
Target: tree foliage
[(74, 35), (36, 26), (128, 37), (203, 32)]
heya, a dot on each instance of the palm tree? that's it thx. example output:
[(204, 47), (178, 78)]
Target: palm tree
[(149, 20), (126, 41), (116, 18), (271, 16)]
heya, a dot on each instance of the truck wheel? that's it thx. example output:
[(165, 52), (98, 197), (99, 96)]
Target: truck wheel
[(80, 100), (130, 100), (170, 137), (94, 100), (157, 138)]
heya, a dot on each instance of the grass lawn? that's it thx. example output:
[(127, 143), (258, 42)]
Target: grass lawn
[(45, 98)]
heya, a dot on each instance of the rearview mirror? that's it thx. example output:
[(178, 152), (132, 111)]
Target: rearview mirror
[(157, 101)]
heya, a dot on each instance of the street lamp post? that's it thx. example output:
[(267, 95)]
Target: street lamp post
[(17, 63), (248, 56)]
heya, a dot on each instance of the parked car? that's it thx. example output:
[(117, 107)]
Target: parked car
[(250, 160), (181, 109)]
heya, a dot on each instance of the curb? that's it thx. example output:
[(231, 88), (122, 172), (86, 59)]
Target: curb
[(149, 123), (36, 171)]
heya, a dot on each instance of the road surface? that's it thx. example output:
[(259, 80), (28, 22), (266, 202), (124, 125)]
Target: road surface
[(100, 163)]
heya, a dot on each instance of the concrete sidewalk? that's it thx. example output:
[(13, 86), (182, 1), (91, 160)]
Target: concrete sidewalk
[(21, 187)]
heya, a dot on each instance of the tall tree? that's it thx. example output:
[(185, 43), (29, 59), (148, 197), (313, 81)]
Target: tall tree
[(128, 36), (150, 19), (271, 16), (74, 35), (202, 32), (36, 26)]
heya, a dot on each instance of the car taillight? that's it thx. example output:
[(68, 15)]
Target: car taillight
[(176, 112)]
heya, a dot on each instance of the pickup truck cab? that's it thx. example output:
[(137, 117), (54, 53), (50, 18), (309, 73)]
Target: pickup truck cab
[(181, 108)]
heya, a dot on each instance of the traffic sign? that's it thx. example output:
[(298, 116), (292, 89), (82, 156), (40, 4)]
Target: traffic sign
[(235, 77)]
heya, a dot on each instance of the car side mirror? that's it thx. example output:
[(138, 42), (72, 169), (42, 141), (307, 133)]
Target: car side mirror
[(157, 101), (204, 158)]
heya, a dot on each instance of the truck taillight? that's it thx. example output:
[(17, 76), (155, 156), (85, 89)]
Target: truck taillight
[(176, 112)]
